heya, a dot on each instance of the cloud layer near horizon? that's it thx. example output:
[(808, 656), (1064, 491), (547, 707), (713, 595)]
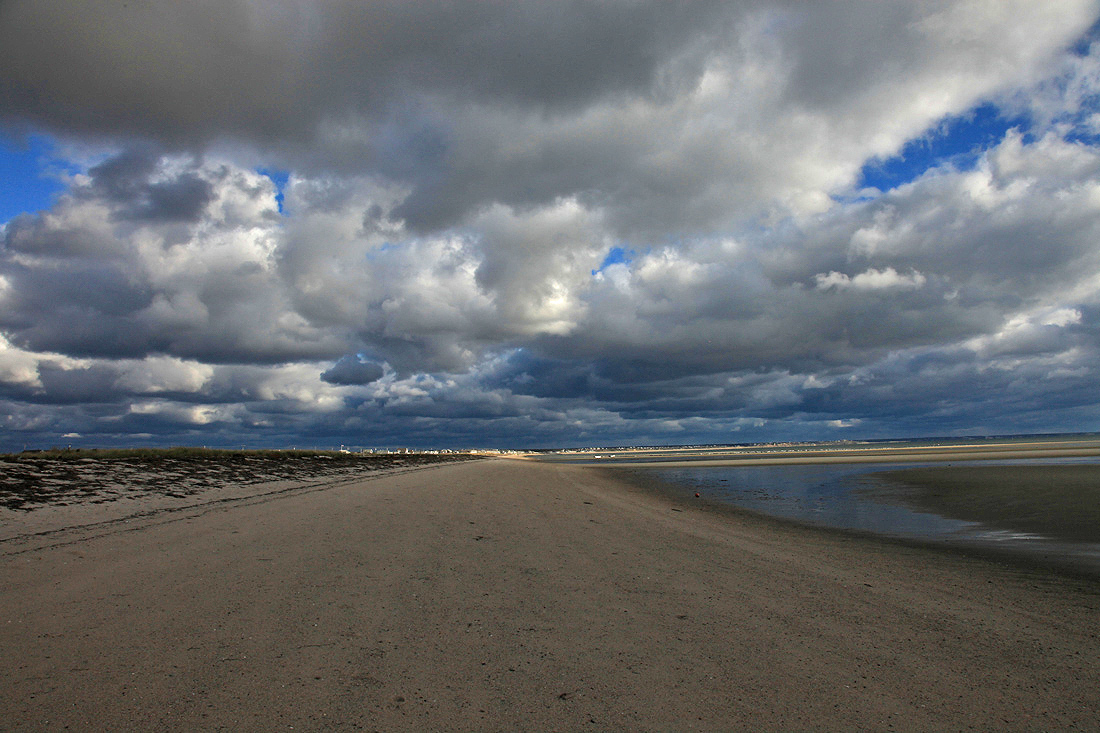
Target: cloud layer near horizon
[(548, 223)]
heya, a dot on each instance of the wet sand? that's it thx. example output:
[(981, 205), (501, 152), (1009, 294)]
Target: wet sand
[(517, 595), (1057, 501)]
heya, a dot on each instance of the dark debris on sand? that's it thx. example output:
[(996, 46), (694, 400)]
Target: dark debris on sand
[(29, 480)]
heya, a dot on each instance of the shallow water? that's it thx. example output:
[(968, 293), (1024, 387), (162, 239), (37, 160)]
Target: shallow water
[(818, 494), (854, 497)]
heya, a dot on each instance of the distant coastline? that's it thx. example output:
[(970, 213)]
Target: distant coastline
[(965, 449)]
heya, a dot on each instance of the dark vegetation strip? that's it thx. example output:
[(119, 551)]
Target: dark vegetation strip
[(76, 454), (29, 480)]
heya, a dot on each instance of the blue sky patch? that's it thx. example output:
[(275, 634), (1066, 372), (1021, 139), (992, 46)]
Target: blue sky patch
[(617, 256), (28, 175), (280, 179), (958, 140)]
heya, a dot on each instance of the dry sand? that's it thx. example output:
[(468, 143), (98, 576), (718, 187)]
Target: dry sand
[(513, 595)]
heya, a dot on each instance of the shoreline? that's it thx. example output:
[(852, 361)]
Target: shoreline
[(1045, 528), (1069, 567), (923, 454)]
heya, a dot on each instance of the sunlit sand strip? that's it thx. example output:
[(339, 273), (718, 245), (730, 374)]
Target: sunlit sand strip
[(910, 445), (870, 455)]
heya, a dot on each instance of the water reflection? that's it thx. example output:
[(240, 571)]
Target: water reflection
[(852, 496), (818, 494)]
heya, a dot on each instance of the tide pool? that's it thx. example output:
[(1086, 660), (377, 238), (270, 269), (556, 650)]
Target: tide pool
[(858, 497)]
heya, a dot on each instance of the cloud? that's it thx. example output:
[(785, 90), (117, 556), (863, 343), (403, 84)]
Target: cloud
[(351, 370), (433, 263), (17, 367), (670, 118), (131, 179), (872, 279), (160, 374), (843, 423), (111, 272)]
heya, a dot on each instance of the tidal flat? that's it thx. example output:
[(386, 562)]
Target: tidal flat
[(1031, 498), (1059, 501)]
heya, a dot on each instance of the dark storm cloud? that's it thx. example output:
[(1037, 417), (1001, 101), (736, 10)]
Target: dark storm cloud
[(410, 91), (88, 305), (126, 179), (352, 370), (121, 177), (181, 71)]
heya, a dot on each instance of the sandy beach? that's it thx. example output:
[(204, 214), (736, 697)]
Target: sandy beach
[(518, 595)]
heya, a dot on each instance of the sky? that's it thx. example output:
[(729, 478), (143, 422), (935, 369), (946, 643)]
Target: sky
[(546, 224)]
